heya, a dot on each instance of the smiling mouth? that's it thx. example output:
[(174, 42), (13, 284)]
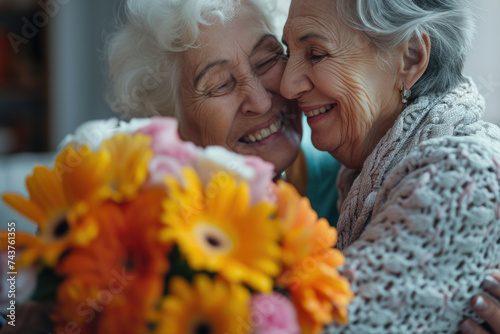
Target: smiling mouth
[(264, 133), (320, 111)]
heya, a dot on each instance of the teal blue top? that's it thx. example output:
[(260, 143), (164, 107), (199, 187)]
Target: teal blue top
[(322, 170)]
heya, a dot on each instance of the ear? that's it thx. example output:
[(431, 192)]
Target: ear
[(414, 60)]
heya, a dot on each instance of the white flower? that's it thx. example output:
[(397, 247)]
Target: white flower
[(216, 158), (94, 132), (252, 170)]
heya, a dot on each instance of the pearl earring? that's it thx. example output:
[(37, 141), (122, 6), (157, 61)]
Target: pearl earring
[(405, 94)]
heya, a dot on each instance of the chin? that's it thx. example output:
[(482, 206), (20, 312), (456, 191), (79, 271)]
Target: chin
[(281, 157), (321, 142)]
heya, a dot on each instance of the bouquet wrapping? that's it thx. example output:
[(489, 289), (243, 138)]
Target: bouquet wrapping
[(141, 232)]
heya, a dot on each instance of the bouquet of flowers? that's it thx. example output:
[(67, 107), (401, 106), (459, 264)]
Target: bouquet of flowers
[(140, 232)]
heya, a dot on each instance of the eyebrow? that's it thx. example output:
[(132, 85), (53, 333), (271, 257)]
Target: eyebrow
[(262, 40), (307, 36), (222, 62), (312, 35), (208, 67)]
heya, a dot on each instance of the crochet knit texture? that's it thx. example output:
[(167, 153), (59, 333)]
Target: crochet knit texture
[(420, 224)]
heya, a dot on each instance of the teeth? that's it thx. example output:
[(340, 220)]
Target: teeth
[(318, 111), (264, 133)]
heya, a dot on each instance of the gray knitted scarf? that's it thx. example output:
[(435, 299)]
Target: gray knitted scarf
[(456, 113)]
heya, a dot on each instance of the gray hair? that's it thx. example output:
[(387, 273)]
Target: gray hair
[(389, 23), (144, 54)]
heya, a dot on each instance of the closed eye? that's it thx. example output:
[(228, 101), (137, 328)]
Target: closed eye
[(316, 57), (265, 66), (225, 88)]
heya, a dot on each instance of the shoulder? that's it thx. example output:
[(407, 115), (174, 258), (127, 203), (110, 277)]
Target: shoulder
[(463, 172), (455, 153)]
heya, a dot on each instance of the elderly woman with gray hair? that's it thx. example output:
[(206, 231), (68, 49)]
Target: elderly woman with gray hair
[(382, 86)]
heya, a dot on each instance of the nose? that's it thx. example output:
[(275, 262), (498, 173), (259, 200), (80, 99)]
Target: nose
[(295, 81), (258, 99)]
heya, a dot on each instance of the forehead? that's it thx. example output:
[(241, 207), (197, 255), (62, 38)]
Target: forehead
[(236, 38), (319, 19), (311, 7), (310, 13)]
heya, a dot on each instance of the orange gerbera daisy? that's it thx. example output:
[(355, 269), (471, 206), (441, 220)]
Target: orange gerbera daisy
[(58, 198), (217, 230), (320, 294), (120, 274), (205, 307)]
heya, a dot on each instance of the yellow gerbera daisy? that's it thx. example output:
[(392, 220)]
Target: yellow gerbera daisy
[(58, 199), (320, 294), (205, 307), (217, 230), (130, 154)]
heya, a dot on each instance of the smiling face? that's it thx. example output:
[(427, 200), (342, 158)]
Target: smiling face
[(231, 92), (350, 98)]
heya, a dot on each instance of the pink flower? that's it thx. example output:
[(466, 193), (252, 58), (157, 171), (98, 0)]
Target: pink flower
[(261, 185), (273, 314), (170, 152), (256, 172)]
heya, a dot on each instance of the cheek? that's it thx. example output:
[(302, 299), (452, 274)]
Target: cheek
[(355, 95), (208, 123)]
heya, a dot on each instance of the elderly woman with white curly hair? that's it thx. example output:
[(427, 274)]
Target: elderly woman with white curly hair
[(382, 86), (216, 66)]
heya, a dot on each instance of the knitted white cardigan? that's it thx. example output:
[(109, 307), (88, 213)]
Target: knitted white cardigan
[(420, 224)]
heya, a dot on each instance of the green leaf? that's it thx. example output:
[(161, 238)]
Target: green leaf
[(47, 283)]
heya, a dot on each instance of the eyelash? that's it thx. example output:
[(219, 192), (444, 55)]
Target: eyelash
[(273, 59), (217, 91), (311, 56), (315, 57), (266, 65)]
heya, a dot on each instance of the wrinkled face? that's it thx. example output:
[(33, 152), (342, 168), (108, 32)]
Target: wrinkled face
[(231, 92), (349, 97)]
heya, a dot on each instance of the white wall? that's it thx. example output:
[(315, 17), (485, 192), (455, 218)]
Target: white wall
[(78, 77), (483, 64)]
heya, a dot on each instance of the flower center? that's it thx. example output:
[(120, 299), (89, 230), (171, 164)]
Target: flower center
[(56, 228), (212, 239), (61, 229), (202, 328), (128, 263)]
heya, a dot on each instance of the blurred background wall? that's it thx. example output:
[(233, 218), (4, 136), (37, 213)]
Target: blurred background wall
[(484, 60), (52, 76)]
